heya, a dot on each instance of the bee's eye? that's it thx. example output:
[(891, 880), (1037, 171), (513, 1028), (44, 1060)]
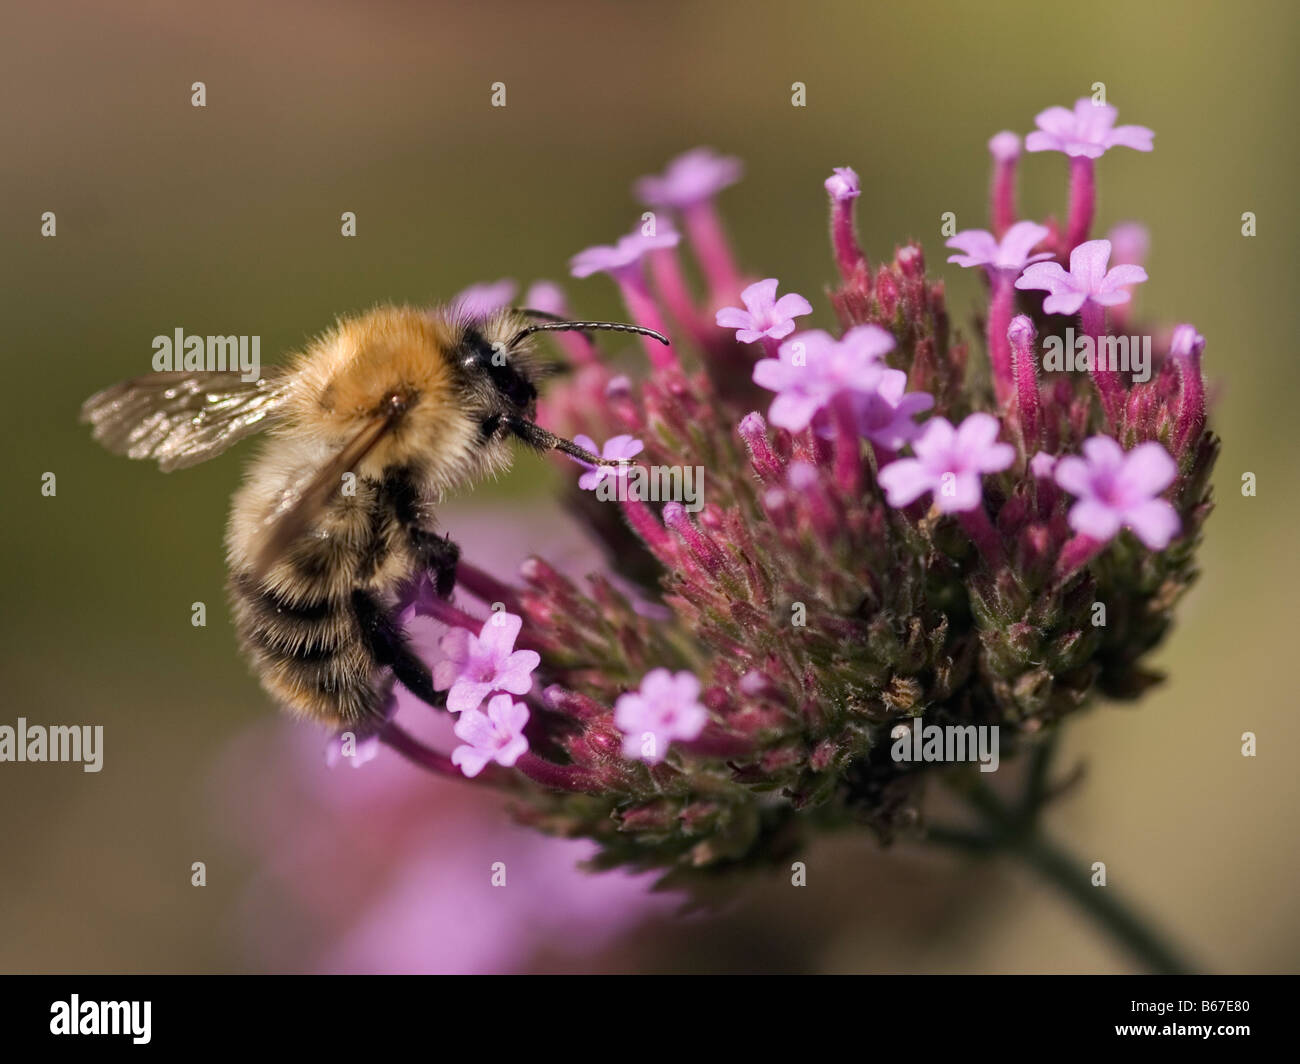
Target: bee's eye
[(494, 360)]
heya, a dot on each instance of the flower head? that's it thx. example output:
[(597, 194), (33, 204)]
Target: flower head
[(475, 665), (948, 464), (1087, 131), (497, 735), (1042, 465), (1117, 490), (1004, 146), (813, 367), (1010, 254), (620, 448), (783, 625), (697, 175), (843, 184), (885, 415), (764, 314), (480, 300), (665, 708), (628, 252), (545, 296), (1087, 279)]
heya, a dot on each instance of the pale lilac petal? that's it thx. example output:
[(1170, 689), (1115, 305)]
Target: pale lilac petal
[(500, 632), (792, 305), (966, 494), (1123, 274), (760, 296), (1018, 242), (979, 245), (1136, 137), (474, 727), (516, 675), (734, 318), (1057, 121), (466, 695), (1073, 475), (1047, 276), (512, 752), (1148, 469), (793, 412), (1088, 264), (1093, 518), (904, 481), (937, 436), (1064, 302), (978, 431), (1154, 522), (774, 374), (469, 760), (995, 458), (868, 341), (1103, 453)]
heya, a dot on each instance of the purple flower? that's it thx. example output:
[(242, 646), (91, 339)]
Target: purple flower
[(764, 314), (1042, 464), (475, 665), (948, 464), (1130, 242), (1088, 131), (813, 367), (621, 256), (621, 448), (545, 296), (1011, 254), (1088, 279), (698, 175), (1117, 490), (667, 707), (843, 184), (497, 735), (885, 415), (1004, 146), (480, 300)]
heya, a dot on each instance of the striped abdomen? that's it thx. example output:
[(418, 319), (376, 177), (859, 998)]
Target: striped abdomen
[(300, 626)]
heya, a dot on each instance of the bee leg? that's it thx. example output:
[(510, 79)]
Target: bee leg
[(440, 557), (389, 647)]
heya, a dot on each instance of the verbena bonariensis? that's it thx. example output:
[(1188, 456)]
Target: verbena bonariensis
[(890, 528)]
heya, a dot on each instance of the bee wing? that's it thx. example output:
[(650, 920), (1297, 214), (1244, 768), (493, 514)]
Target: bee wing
[(182, 418), (300, 505)]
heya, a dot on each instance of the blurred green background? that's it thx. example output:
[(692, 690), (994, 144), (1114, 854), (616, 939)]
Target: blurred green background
[(226, 220)]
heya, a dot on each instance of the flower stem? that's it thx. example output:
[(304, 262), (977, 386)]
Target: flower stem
[(1015, 830), (1083, 200), (1107, 909)]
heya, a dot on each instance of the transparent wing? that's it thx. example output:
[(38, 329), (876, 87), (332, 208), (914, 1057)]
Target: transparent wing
[(298, 508), (180, 419)]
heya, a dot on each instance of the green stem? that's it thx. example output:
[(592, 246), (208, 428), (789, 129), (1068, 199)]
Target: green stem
[(1105, 907), (1015, 830)]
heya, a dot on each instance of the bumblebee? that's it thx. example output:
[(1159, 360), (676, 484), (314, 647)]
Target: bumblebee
[(369, 429)]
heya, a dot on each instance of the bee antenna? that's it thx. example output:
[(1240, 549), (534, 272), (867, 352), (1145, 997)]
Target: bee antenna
[(584, 326)]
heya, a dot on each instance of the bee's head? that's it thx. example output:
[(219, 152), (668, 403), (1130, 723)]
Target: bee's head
[(506, 370), (497, 354)]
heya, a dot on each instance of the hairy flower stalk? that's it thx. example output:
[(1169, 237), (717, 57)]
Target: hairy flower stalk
[(875, 538)]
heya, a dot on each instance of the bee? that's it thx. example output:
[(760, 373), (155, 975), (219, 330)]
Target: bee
[(374, 424)]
